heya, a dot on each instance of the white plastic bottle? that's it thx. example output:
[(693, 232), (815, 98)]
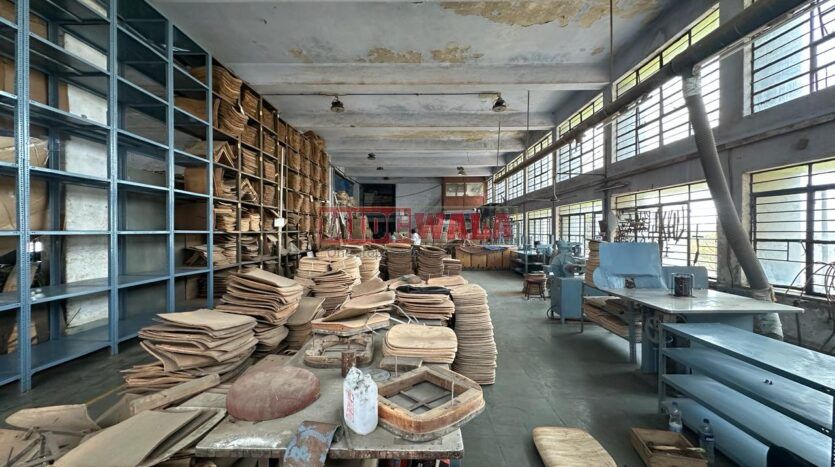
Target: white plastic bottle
[(359, 402), (675, 424)]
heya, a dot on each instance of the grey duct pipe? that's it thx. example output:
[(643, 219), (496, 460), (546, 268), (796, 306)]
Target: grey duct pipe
[(731, 225), (750, 20)]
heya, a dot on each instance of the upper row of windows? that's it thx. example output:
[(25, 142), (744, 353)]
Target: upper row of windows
[(793, 60)]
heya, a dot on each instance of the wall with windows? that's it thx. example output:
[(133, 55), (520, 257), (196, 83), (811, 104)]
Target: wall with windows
[(760, 128), (539, 226)]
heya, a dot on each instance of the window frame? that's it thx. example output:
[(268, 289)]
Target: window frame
[(565, 218), (593, 145), (516, 185), (539, 225)]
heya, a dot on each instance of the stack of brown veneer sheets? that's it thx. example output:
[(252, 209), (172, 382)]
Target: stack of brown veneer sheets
[(190, 345), (434, 344), (452, 267), (381, 249), (426, 303), (334, 287), (310, 268), (430, 261), (476, 357), (299, 324), (399, 260), (267, 297), (349, 264), (370, 267)]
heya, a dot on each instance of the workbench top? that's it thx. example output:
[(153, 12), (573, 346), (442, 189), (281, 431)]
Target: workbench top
[(269, 439), (706, 302)]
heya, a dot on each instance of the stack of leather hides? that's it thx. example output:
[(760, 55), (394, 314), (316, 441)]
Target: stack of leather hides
[(269, 298), (370, 267), (452, 267), (191, 345), (399, 260), (426, 303), (476, 357)]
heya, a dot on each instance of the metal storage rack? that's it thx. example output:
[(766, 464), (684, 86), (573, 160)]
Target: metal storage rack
[(126, 63), (765, 392)]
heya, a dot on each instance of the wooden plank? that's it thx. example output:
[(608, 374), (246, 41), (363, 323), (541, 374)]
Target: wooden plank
[(175, 394)]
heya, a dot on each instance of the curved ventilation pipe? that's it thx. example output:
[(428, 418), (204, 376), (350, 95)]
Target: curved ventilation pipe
[(735, 234)]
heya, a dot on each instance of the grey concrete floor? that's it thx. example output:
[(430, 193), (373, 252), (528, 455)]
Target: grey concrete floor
[(548, 374)]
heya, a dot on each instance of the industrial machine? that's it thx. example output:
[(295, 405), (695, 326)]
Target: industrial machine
[(565, 275)]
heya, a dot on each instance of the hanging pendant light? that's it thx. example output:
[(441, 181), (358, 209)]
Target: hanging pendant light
[(500, 105), (337, 105)]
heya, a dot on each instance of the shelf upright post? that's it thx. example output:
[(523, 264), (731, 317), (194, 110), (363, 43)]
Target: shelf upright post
[(55, 253), (169, 127), (113, 173), (210, 216), (22, 147)]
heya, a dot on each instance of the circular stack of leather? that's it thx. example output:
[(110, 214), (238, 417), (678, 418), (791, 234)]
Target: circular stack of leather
[(267, 392), (399, 259), (430, 261)]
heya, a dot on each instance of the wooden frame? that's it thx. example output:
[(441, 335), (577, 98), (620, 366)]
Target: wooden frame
[(449, 400)]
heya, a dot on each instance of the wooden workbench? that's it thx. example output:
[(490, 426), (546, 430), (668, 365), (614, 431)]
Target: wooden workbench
[(268, 439)]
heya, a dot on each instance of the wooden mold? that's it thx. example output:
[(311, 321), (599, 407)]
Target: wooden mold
[(326, 352), (427, 403)]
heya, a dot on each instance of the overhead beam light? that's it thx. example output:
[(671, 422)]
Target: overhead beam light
[(372, 156), (500, 105), (461, 170), (379, 168), (337, 105)]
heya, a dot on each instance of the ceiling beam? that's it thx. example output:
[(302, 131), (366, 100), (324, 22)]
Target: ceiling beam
[(347, 78), (423, 161), (411, 172), (456, 121)]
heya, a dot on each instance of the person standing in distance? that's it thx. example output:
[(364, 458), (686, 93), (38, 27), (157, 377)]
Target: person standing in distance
[(415, 238)]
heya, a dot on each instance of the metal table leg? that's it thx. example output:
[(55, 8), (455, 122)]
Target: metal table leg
[(630, 315)]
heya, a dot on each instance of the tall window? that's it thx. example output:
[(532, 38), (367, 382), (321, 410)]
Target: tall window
[(539, 174), (794, 60), (662, 117), (793, 223), (579, 222), (585, 155), (499, 193), (544, 142), (516, 227), (489, 198), (681, 219), (539, 226), (515, 185)]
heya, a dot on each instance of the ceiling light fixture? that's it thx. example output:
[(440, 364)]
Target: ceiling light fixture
[(372, 156), (337, 105), (500, 105), (461, 170), (379, 168)]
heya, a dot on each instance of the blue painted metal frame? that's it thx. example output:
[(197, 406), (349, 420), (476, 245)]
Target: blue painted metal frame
[(114, 256), (22, 147)]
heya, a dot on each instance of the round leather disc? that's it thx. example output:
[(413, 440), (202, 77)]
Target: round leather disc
[(271, 392)]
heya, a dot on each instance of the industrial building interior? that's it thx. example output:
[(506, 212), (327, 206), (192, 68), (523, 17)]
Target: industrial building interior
[(417, 233)]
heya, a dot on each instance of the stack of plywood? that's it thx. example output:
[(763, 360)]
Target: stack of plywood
[(430, 261), (334, 287), (452, 267), (426, 303), (399, 260), (593, 261), (269, 298), (434, 344), (190, 345), (299, 324), (476, 357)]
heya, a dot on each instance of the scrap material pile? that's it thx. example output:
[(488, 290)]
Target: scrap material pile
[(430, 261), (269, 298), (433, 344), (476, 357), (190, 345), (399, 260), (426, 303)]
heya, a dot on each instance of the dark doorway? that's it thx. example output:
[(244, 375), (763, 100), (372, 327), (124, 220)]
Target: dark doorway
[(377, 195)]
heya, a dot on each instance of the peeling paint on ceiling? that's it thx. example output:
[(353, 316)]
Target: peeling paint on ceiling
[(454, 53), (300, 55), (384, 55), (598, 50), (531, 13)]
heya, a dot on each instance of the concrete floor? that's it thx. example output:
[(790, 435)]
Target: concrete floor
[(548, 374)]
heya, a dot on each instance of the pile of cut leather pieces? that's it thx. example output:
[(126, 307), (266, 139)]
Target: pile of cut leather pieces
[(269, 298), (430, 303), (190, 345)]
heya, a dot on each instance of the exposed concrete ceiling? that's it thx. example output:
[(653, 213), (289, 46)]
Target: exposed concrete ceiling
[(442, 61)]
